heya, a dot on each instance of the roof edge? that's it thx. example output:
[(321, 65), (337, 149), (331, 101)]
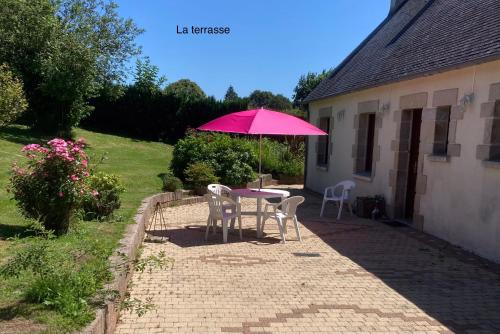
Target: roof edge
[(358, 48), (415, 76)]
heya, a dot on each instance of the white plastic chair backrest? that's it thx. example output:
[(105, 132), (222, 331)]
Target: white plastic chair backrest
[(219, 189), (214, 205), (289, 205), (342, 189)]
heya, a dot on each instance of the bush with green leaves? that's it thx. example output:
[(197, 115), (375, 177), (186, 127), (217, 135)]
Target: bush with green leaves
[(105, 197), (233, 159), (171, 183), (280, 158), (12, 99), (199, 175)]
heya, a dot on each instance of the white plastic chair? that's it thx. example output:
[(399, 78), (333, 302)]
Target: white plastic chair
[(219, 189), (338, 193), (219, 207), (288, 210), (225, 191)]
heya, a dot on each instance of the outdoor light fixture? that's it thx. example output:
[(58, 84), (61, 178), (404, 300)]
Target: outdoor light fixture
[(340, 115), (467, 99), (386, 107)]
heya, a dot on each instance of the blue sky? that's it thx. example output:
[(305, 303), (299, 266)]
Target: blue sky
[(271, 42)]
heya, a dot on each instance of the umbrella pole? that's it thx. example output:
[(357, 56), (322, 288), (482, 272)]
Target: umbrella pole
[(260, 161)]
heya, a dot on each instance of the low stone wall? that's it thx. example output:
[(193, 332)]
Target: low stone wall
[(107, 317), (267, 180)]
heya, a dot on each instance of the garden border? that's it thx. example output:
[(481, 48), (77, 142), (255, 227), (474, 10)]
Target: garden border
[(107, 316)]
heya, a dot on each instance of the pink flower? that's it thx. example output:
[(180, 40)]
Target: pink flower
[(95, 193), (30, 147), (61, 194), (73, 177), (57, 142), (84, 162)]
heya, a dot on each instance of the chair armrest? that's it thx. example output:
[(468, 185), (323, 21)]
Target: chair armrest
[(224, 199), (229, 200), (273, 205)]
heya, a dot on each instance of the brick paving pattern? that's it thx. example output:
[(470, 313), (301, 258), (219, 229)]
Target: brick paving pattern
[(351, 276)]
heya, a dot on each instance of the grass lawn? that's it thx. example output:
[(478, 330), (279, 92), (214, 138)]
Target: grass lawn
[(138, 163)]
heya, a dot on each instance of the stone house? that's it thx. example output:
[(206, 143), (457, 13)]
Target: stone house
[(413, 114)]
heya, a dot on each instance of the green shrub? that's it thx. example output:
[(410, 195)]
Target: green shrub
[(104, 198), (171, 183), (291, 168), (281, 158), (233, 159), (199, 175), (12, 99)]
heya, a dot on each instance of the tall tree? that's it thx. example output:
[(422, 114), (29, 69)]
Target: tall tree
[(185, 89), (306, 85), (64, 51), (147, 76), (12, 99), (230, 94), (259, 98)]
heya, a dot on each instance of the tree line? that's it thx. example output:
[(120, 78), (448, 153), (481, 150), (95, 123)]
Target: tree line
[(64, 63)]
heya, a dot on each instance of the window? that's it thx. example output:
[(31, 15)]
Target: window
[(369, 143), (365, 144), (441, 130), (495, 134), (323, 142)]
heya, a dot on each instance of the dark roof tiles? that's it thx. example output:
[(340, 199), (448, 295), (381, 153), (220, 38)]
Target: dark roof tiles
[(422, 37)]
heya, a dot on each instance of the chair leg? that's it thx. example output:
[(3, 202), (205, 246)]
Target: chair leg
[(280, 226), (233, 220), (341, 204), (209, 222), (350, 208), (264, 218), (214, 226), (224, 230), (239, 225), (284, 226), (322, 208), (295, 221)]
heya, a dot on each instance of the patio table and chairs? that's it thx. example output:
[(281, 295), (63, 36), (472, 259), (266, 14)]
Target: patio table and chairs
[(255, 122), (259, 195), (225, 205)]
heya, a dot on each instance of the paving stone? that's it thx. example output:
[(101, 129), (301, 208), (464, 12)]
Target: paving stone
[(368, 278)]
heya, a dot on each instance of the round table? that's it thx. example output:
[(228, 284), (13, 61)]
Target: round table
[(259, 195)]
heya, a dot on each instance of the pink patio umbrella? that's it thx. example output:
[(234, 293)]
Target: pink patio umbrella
[(262, 122)]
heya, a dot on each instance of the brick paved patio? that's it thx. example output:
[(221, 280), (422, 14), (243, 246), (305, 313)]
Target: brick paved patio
[(351, 276)]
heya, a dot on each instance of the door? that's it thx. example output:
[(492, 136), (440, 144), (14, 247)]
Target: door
[(413, 162)]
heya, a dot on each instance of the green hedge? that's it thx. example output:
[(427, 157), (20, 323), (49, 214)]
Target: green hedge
[(235, 158)]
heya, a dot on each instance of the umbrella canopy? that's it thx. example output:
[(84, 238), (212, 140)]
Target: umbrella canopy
[(262, 122)]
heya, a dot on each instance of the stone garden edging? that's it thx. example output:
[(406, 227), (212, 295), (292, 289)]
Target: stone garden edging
[(107, 316)]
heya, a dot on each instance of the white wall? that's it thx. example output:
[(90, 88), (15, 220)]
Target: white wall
[(462, 200)]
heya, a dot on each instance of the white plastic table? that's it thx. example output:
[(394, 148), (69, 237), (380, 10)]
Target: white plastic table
[(259, 195)]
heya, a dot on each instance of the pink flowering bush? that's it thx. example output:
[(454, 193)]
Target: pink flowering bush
[(52, 183)]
